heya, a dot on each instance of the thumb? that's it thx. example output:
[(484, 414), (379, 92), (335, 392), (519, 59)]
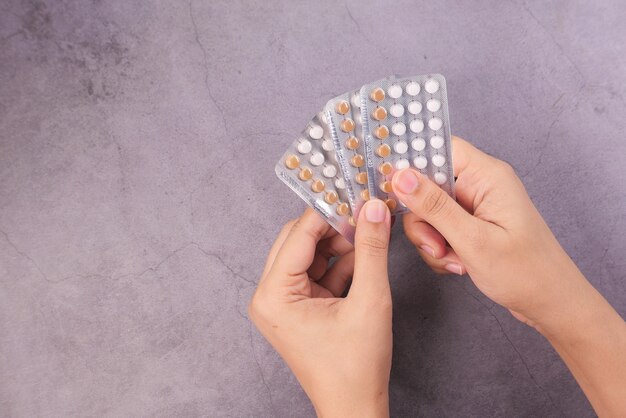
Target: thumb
[(371, 244)]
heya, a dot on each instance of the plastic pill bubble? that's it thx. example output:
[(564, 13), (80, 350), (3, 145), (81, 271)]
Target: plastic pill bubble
[(365, 194), (316, 132), (391, 204), (379, 113), (440, 178), (385, 186), (351, 221), (439, 160), (356, 100), (394, 91), (396, 110), (342, 107), (329, 171), (418, 144), (435, 124), (402, 163), (385, 168), (347, 125), (398, 128), (331, 197), (414, 108), (305, 174), (420, 162), (383, 150), (400, 147), (413, 88), (317, 186), (433, 105), (416, 125), (436, 142), (357, 160), (382, 132), (317, 159), (361, 177), (431, 86), (343, 209), (352, 142), (340, 184), (327, 145), (304, 146), (377, 94), (292, 162)]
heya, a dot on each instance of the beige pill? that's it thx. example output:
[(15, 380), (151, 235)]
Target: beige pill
[(379, 113), (377, 94), (343, 209), (292, 162), (365, 194), (351, 221), (317, 186), (342, 107), (381, 132), (352, 142), (385, 168), (385, 186), (331, 197), (357, 161), (383, 150), (347, 125), (391, 204), (361, 177), (305, 174)]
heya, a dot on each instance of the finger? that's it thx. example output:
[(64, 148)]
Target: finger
[(282, 235), (328, 248), (448, 263), (423, 235), (336, 279)]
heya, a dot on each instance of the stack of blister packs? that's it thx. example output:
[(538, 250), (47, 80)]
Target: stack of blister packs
[(350, 150)]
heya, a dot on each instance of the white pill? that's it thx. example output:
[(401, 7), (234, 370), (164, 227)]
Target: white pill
[(356, 100), (304, 147), (402, 163), (317, 159), (316, 132), (431, 86), (420, 162), (433, 105), (416, 125), (440, 178), (418, 144), (394, 91), (330, 171), (439, 160), (436, 142), (400, 147), (435, 124), (414, 108), (398, 128), (396, 110), (340, 184), (327, 145), (413, 88), (324, 119)]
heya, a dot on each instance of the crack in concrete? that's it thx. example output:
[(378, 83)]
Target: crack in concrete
[(358, 28), (25, 255), (256, 360)]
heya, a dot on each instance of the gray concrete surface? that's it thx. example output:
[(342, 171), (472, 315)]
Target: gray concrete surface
[(138, 200)]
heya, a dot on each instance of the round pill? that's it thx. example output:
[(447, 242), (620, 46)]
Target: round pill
[(329, 171), (377, 94), (340, 184), (413, 88), (317, 159), (416, 125), (347, 125), (438, 160), (351, 221), (394, 91), (381, 132), (435, 124), (385, 186), (356, 100), (418, 144), (431, 86), (414, 108), (385, 168), (398, 128), (304, 147), (292, 162), (357, 160), (327, 145), (396, 110), (379, 113), (361, 177), (305, 174), (402, 163), (331, 197), (317, 186), (420, 162), (391, 204), (324, 119), (365, 194), (343, 209), (383, 150), (342, 107), (433, 105), (440, 178), (316, 132), (400, 147), (436, 142), (352, 142)]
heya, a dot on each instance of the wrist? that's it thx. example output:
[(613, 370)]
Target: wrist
[(373, 406)]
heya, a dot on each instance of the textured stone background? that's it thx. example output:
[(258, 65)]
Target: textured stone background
[(138, 199)]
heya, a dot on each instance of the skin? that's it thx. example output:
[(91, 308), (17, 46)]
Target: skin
[(340, 348)]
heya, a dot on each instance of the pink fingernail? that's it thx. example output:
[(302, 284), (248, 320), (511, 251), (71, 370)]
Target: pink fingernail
[(406, 181), (454, 268), (428, 249), (375, 211)]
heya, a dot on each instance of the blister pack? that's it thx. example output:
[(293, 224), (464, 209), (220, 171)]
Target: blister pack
[(309, 167), (406, 124)]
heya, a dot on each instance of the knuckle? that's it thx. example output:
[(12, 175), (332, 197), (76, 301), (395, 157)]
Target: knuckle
[(435, 202), (505, 169), (373, 246)]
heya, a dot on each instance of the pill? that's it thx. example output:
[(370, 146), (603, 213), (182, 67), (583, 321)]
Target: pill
[(316, 132), (317, 186), (400, 147), (440, 178), (347, 125), (340, 184), (305, 174), (343, 209), (317, 159), (352, 142), (383, 150), (329, 171), (420, 162), (379, 113), (385, 186), (394, 91), (398, 128), (304, 146), (391, 204), (385, 168), (413, 88), (418, 144), (436, 142), (328, 145), (377, 94), (342, 107), (365, 194), (433, 105), (438, 160), (396, 110), (361, 177), (331, 197), (414, 108), (351, 221), (416, 125), (431, 86), (356, 100), (435, 124), (402, 163), (292, 161), (381, 132), (357, 160), (324, 119)]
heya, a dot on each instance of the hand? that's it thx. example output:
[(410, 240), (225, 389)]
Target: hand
[(338, 348)]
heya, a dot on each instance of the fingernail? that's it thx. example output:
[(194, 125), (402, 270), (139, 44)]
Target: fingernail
[(375, 211), (428, 249), (406, 182), (454, 268)]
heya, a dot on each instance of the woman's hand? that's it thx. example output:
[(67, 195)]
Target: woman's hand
[(338, 348)]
